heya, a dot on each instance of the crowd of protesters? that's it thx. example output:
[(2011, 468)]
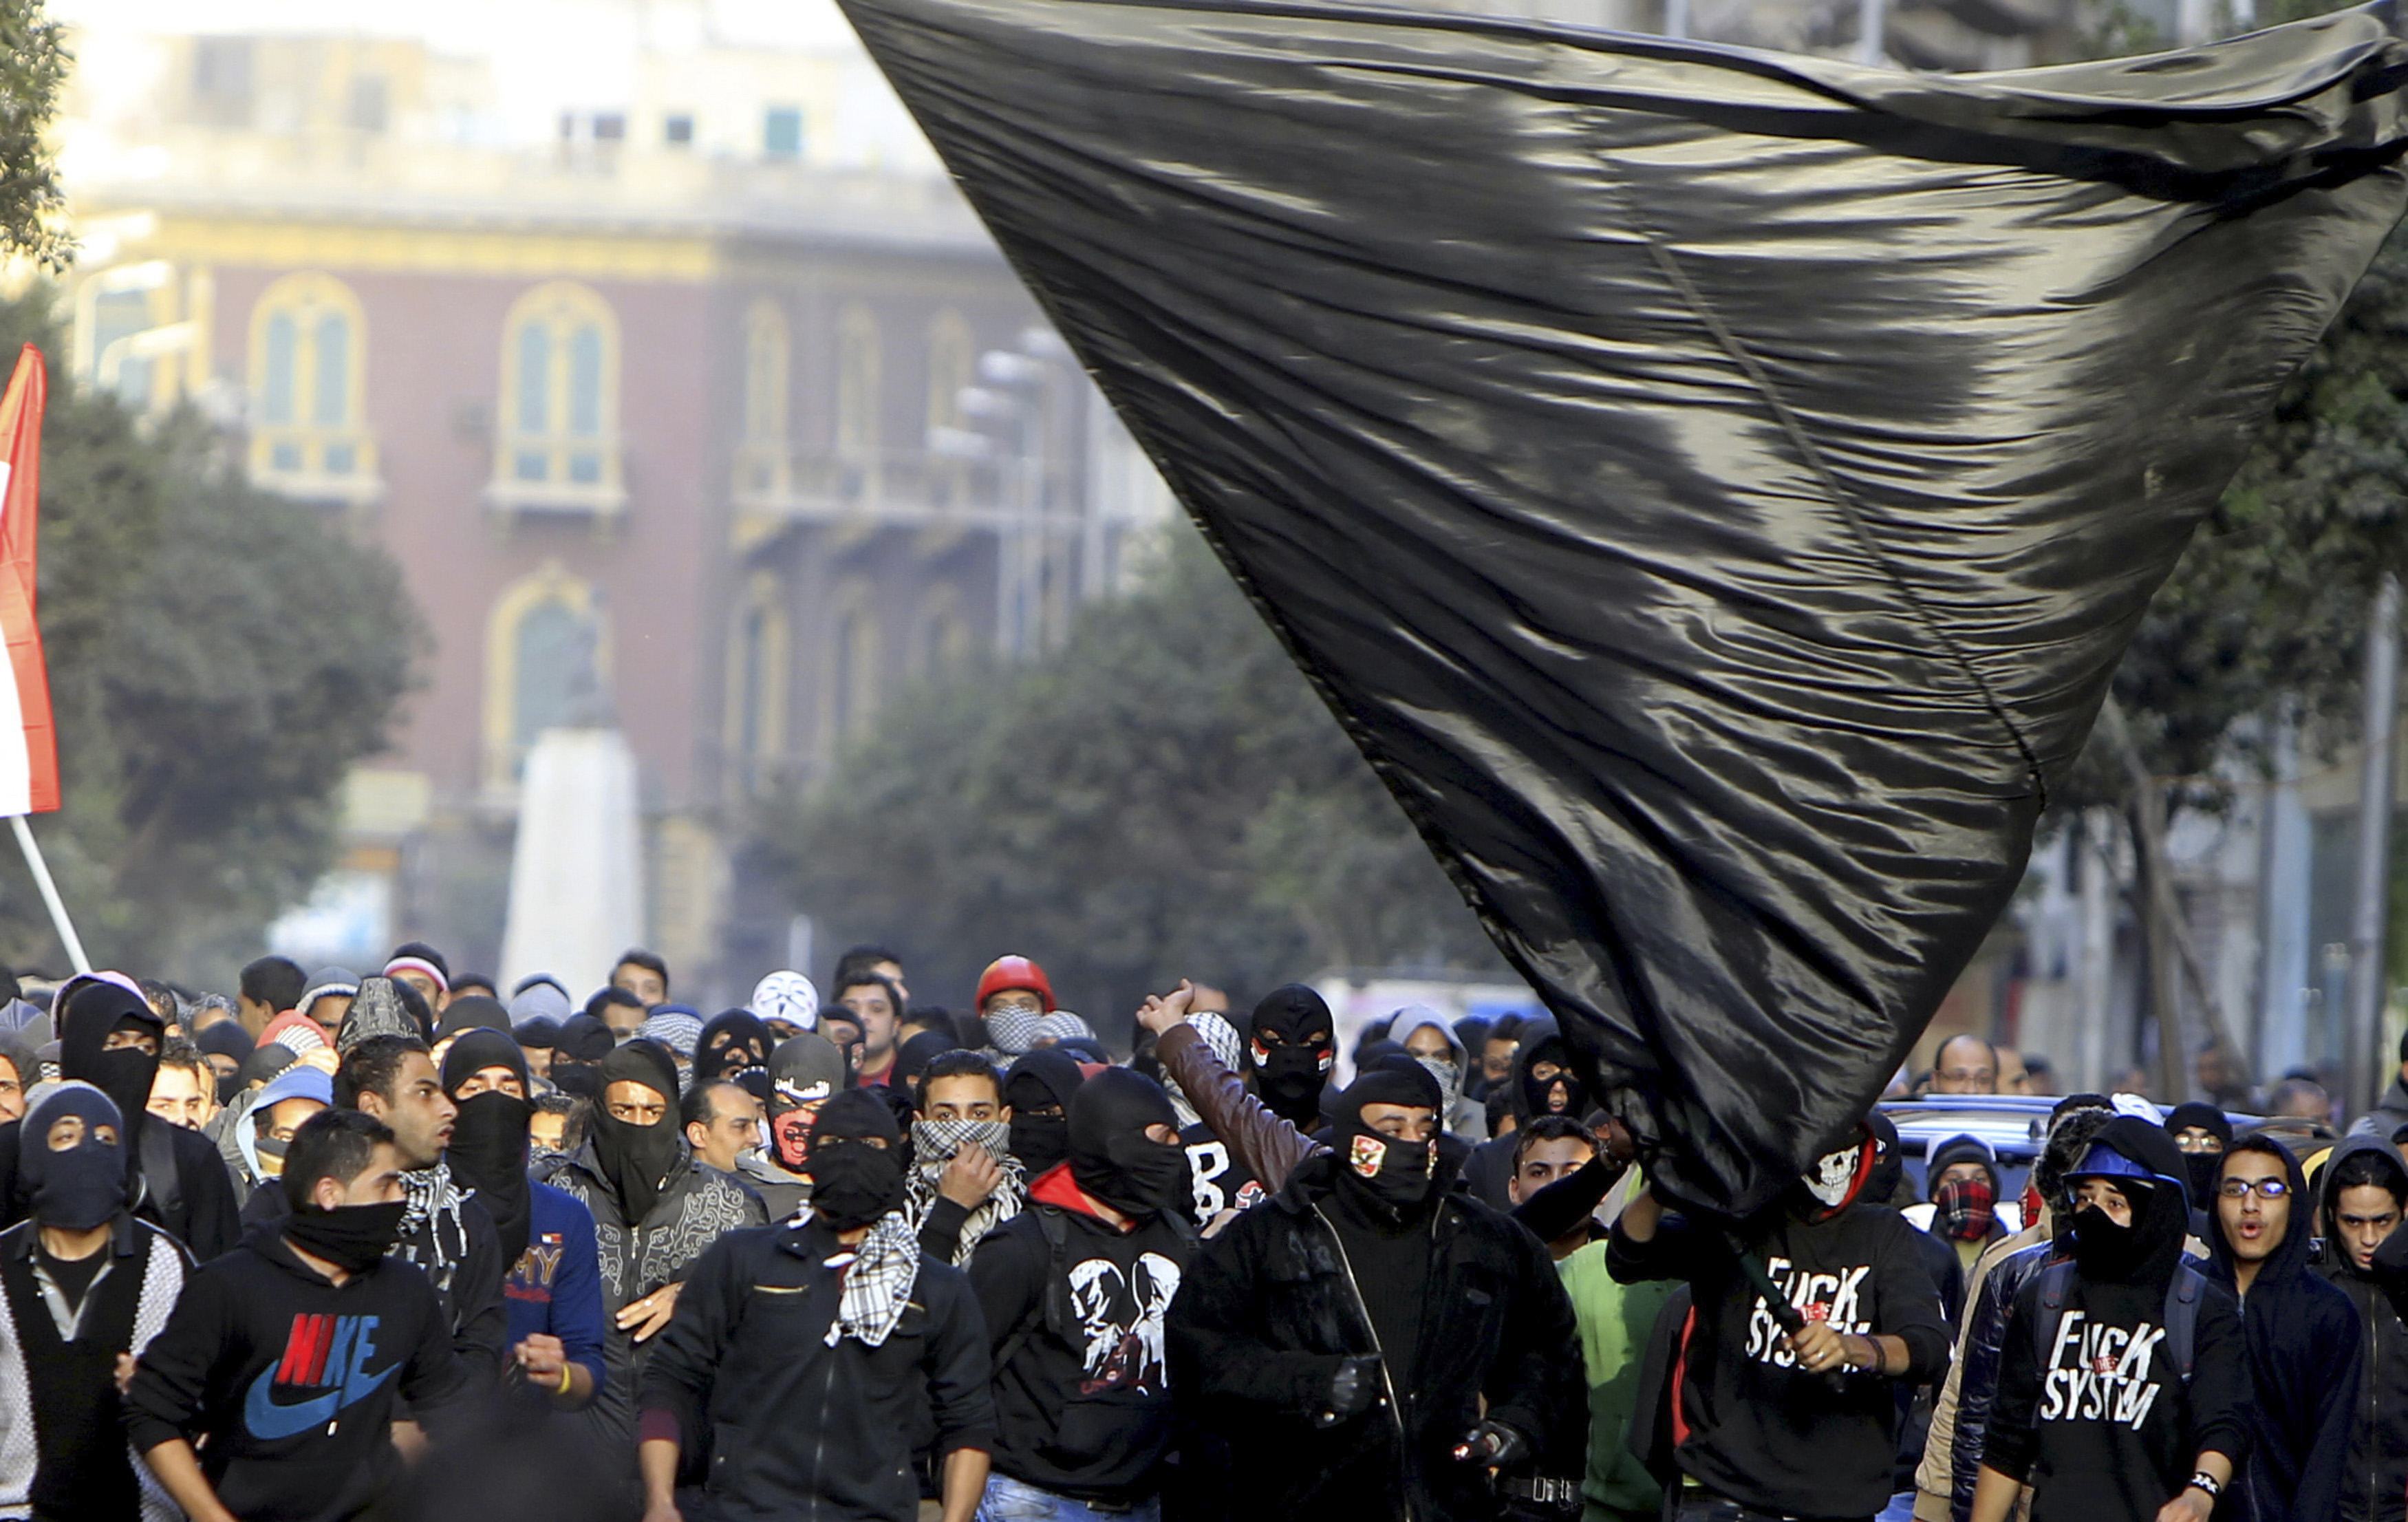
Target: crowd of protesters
[(393, 1245)]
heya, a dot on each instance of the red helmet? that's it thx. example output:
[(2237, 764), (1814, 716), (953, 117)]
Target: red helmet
[(1014, 972)]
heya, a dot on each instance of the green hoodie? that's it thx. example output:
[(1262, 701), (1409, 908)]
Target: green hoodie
[(1615, 1321)]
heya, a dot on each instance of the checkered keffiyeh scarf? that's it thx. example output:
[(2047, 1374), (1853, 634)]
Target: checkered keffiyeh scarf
[(933, 1145), (875, 1280)]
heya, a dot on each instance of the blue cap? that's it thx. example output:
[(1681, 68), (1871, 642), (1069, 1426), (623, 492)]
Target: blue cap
[(2104, 1162), (298, 1081)]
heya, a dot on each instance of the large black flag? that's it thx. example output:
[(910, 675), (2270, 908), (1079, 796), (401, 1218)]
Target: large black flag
[(1711, 488)]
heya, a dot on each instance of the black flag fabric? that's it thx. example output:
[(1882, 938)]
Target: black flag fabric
[(1713, 488)]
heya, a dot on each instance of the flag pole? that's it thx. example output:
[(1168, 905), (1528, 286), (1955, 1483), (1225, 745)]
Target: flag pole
[(41, 871)]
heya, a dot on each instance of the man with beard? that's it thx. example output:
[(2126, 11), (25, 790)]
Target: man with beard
[(1791, 1424), (805, 1072), (806, 1357), (964, 1181), (1372, 1345), (1074, 1292), (393, 1079), (2124, 1380), (270, 1393), (2305, 1358), (655, 1208), (83, 1286), (2366, 1254), (109, 1037), (552, 1293)]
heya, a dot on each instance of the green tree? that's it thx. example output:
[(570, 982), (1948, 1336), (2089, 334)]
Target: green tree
[(33, 69), (219, 658), (1163, 796)]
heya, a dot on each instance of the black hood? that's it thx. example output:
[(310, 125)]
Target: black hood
[(2299, 1235), (1541, 1040), (2327, 1197), (96, 1008), (2161, 1200)]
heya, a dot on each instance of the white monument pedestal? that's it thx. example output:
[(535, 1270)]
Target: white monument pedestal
[(576, 873)]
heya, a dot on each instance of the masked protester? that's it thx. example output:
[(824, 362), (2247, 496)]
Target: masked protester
[(1075, 1292), (734, 1046), (964, 1181), (805, 1072), (1426, 1038), (1013, 995), (1801, 1424), (654, 1208), (1952, 1450), (1038, 1089), (1221, 1181), (553, 1292), (271, 1392), (2306, 1359), (1546, 1081), (806, 1357), (85, 1284), (110, 1037), (1302, 1326), (1292, 1043), (1962, 1174), (2124, 1382), (576, 1055), (2200, 1133), (2365, 1187)]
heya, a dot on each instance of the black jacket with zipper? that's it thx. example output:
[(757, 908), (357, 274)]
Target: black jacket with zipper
[(2374, 1484), (1268, 1312), (800, 1431)]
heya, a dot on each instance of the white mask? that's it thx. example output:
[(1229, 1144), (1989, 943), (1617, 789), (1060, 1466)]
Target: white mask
[(1832, 1175)]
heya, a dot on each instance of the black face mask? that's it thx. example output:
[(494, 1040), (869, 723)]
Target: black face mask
[(853, 1182), (353, 1238), (1392, 1180), (489, 1152), (1136, 1175), (2101, 1249), (636, 1159), (1538, 1097), (1292, 1049), (1040, 1141), (2206, 1171), (86, 1184)]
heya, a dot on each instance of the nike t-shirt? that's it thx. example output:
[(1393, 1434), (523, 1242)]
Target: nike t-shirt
[(292, 1379)]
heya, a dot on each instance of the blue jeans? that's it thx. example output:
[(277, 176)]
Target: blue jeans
[(1008, 1500)]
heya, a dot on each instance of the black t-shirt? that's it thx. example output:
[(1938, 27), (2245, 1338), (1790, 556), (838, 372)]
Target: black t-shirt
[(74, 1276), (1221, 1181)]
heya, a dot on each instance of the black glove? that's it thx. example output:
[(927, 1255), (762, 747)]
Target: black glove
[(1493, 1446), (1351, 1390)]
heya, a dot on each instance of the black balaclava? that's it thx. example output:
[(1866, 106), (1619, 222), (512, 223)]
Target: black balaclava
[(473, 1012), (637, 1159), (1564, 1094), (1392, 1181), (1046, 1076), (124, 1076), (577, 1053), (2202, 1171), (85, 1185), (353, 1238), (2142, 1160), (489, 1138), (1111, 1157), (228, 1039), (1292, 1068), (854, 1183), (804, 1071), (734, 1045), (912, 1057)]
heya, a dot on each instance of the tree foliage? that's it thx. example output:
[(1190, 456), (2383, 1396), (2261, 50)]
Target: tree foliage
[(219, 658), (33, 69), (1163, 796)]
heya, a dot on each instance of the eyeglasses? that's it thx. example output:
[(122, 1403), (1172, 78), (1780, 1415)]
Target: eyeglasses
[(2266, 1188)]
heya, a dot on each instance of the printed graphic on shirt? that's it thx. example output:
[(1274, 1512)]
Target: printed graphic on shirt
[(1836, 1297), (1207, 1166), (2100, 1373), (531, 1280), (1120, 1320), (325, 1354)]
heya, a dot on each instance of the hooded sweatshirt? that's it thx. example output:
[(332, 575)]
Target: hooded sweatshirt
[(1466, 1118), (2093, 1414), (292, 1379), (1490, 1170), (1075, 1309), (2374, 1486), (2306, 1359), (1750, 1423)]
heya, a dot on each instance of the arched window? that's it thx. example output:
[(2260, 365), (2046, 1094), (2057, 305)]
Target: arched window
[(546, 662), (756, 684), (762, 459), (559, 436), (853, 665), (308, 342), (857, 382), (953, 364)]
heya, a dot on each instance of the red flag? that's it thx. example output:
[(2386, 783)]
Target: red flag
[(29, 751)]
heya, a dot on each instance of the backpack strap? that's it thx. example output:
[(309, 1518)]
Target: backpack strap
[(2181, 1318), (156, 1152), (1053, 1307)]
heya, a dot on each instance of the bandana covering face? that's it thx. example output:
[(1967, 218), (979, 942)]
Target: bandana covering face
[(1964, 1210), (935, 1143), (1013, 1029), (1832, 1181)]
